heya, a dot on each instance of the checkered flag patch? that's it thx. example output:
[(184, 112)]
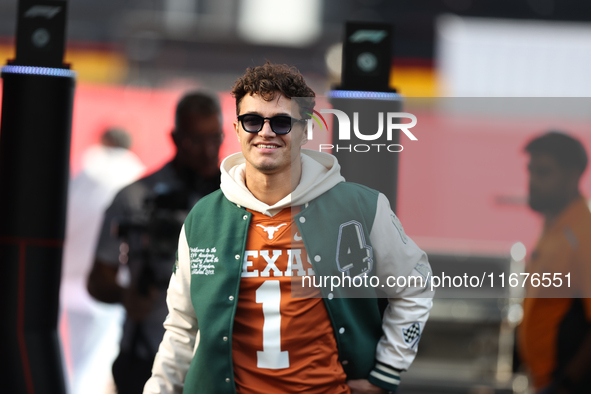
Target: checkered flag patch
[(411, 333)]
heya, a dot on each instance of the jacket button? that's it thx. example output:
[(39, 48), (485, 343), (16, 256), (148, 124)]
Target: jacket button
[(330, 296), (225, 339), (317, 258), (238, 206), (227, 380), (345, 362), (237, 257), (342, 330), (231, 298), (245, 217), (302, 219)]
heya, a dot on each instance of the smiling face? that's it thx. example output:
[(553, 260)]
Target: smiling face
[(266, 152)]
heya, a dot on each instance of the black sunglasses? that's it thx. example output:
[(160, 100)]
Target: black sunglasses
[(280, 124)]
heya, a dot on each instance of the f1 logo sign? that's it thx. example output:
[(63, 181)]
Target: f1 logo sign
[(374, 36), (44, 11)]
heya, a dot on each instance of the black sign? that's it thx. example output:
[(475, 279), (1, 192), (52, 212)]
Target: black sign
[(367, 52), (41, 33)]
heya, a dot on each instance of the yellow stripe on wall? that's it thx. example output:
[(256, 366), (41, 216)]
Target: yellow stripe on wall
[(96, 66), (413, 81)]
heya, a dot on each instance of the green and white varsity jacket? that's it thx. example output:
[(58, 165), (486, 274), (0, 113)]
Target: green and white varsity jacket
[(195, 355)]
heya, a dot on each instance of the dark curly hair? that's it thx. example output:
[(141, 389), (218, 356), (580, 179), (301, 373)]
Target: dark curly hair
[(566, 150), (196, 103), (270, 79)]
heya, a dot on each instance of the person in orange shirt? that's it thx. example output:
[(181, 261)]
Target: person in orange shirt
[(554, 336)]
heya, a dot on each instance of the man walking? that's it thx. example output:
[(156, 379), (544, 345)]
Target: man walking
[(282, 214)]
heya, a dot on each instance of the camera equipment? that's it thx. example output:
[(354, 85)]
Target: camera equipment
[(153, 238)]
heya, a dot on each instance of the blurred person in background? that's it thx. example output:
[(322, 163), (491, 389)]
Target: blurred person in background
[(138, 240), (92, 329), (554, 336)]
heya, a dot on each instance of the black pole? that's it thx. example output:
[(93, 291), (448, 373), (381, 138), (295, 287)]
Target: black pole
[(37, 100), (364, 89)]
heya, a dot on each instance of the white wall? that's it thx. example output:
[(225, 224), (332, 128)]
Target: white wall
[(498, 57)]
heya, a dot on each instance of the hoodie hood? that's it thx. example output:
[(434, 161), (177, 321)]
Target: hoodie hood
[(320, 173)]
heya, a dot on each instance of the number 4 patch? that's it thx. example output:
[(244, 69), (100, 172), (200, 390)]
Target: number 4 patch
[(354, 256)]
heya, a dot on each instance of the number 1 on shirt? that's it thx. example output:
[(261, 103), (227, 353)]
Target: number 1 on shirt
[(269, 294)]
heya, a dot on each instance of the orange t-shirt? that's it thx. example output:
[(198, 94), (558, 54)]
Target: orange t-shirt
[(281, 344), (563, 248)]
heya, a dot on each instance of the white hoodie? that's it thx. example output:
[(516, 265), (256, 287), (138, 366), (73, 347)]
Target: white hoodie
[(320, 173)]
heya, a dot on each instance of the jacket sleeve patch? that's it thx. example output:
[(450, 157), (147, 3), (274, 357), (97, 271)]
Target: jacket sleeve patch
[(398, 226), (412, 334)]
